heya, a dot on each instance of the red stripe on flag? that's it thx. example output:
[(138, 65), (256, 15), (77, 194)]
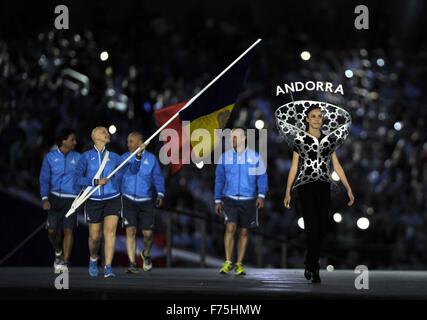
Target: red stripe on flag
[(163, 115)]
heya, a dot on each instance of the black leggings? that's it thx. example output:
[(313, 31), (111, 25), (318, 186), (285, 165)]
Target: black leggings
[(314, 203)]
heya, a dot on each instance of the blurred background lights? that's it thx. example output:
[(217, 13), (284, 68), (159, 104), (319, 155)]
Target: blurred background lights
[(301, 223), (305, 55), (104, 55), (259, 124), (200, 165), (363, 223), (337, 217), (335, 176), (112, 129), (348, 73), (380, 62)]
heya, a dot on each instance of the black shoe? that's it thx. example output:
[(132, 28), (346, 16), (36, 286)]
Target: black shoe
[(133, 268), (316, 277), (308, 274)]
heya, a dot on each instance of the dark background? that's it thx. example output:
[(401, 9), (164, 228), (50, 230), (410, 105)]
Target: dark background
[(164, 52)]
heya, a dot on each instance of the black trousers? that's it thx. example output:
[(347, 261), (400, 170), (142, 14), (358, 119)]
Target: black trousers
[(314, 200)]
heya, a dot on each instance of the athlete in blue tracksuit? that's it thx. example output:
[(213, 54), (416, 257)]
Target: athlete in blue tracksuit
[(240, 186), (138, 211), (103, 208), (58, 192)]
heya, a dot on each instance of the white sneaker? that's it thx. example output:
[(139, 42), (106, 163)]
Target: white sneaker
[(59, 261), (63, 267), (58, 265), (147, 265)]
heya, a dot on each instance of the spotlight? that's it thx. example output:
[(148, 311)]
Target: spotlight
[(363, 223), (103, 56), (398, 126), (301, 223), (305, 55), (348, 73), (200, 165), (335, 176), (112, 129), (337, 217), (259, 124)]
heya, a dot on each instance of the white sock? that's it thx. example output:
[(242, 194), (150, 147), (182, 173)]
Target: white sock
[(93, 259)]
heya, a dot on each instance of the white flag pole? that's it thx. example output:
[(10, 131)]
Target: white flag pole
[(80, 200)]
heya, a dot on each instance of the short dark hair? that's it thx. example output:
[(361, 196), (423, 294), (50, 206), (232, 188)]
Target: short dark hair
[(63, 134), (137, 134), (311, 108)]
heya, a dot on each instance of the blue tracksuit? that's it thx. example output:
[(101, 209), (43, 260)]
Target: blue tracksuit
[(240, 176), (88, 165), (140, 186), (56, 174)]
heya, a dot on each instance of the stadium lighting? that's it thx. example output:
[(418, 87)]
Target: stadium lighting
[(103, 56), (335, 176), (200, 165), (301, 223), (349, 73), (112, 129), (380, 62), (305, 55), (337, 217), (259, 124), (363, 223)]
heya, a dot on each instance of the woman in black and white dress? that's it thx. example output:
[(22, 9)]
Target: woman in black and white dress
[(313, 151)]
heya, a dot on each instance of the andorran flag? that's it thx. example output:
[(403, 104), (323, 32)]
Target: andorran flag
[(210, 109)]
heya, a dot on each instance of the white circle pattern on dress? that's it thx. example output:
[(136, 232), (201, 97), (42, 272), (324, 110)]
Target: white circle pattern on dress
[(315, 156)]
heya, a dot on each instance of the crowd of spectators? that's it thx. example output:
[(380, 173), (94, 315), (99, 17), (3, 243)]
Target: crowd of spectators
[(162, 62)]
